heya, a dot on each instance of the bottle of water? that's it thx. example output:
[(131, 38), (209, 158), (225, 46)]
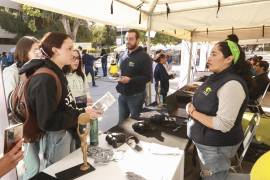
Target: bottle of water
[(94, 132)]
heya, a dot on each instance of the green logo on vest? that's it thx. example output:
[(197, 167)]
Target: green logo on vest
[(207, 90)]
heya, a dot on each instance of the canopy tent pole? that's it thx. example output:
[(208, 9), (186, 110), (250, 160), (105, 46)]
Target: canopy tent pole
[(190, 60), (148, 85)]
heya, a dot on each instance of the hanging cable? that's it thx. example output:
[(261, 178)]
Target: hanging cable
[(112, 7), (140, 18), (263, 31), (168, 9), (219, 4), (139, 9)]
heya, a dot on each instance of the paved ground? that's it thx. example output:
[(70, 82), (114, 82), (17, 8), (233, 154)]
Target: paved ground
[(105, 84)]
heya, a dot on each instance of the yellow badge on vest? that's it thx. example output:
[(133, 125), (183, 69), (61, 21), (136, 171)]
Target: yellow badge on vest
[(207, 90)]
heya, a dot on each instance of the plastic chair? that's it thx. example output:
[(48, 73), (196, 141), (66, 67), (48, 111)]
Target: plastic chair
[(248, 136)]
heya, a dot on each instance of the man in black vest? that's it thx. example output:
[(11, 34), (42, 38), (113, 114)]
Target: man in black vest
[(217, 108), (136, 71)]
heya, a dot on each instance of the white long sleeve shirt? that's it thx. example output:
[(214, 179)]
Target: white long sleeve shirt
[(77, 86), (10, 78), (231, 96)]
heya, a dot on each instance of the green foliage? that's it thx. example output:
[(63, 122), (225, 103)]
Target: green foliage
[(84, 34), (159, 38), (13, 23), (164, 39), (103, 36), (30, 11), (37, 22), (30, 16)]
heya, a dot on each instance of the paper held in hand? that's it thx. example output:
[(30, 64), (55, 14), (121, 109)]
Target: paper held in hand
[(104, 102)]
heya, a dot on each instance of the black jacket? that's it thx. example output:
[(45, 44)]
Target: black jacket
[(162, 76), (104, 58), (42, 98), (138, 66), (88, 60), (260, 83)]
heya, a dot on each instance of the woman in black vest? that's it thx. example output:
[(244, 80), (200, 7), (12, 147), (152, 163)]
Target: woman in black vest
[(217, 108)]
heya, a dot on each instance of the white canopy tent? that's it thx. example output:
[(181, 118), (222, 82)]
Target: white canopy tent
[(193, 20), (199, 20)]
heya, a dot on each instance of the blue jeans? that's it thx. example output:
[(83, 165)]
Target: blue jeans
[(104, 69), (52, 147), (58, 144), (89, 69), (215, 161), (31, 160), (130, 105)]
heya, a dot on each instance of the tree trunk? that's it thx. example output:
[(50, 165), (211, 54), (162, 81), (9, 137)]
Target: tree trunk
[(75, 29), (65, 21)]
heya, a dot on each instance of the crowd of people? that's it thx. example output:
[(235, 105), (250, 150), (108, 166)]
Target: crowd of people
[(215, 112)]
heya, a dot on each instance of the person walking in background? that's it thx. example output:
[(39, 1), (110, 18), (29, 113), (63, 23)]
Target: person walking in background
[(136, 71), (10, 58), (88, 61), (4, 60), (104, 57)]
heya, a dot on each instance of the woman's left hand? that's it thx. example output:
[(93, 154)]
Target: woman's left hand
[(190, 108)]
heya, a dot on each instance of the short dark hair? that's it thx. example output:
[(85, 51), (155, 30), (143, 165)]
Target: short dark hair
[(84, 51), (23, 47), (80, 48), (136, 33), (160, 56), (50, 40), (263, 64)]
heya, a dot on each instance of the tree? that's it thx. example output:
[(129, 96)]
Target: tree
[(159, 38), (164, 39), (70, 24), (13, 23), (103, 36)]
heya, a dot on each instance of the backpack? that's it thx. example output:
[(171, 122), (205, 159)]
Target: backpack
[(19, 108)]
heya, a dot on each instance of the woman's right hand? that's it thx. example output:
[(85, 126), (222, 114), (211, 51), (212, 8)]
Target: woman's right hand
[(93, 113), (11, 159)]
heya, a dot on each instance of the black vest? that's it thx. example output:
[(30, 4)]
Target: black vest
[(205, 100)]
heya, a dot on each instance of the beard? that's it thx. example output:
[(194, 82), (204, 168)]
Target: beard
[(131, 46)]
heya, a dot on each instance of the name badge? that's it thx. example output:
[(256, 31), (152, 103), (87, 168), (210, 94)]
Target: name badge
[(131, 64)]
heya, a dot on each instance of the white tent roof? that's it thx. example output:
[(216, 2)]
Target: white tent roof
[(249, 19)]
